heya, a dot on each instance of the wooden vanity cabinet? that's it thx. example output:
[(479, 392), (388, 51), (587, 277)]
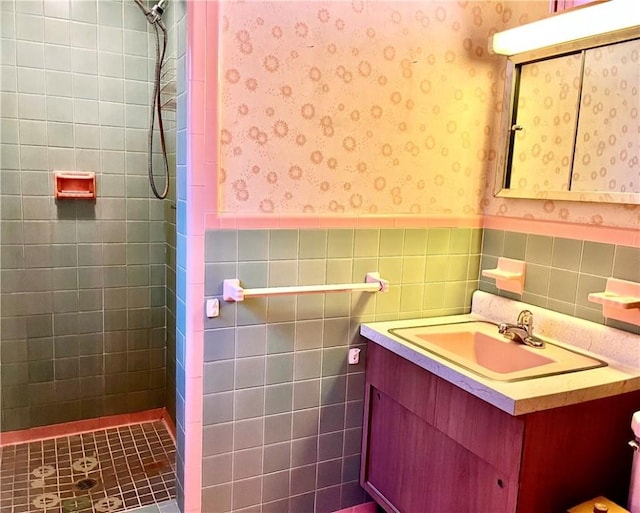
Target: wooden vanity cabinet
[(431, 447)]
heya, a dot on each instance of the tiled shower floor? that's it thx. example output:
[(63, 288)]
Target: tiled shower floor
[(98, 472)]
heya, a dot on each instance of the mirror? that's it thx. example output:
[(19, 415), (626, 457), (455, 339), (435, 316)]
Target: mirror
[(571, 124)]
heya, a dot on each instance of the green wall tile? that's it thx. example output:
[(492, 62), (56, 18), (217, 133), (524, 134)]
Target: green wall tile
[(340, 244), (411, 297), (279, 368), (515, 245), (597, 258), (626, 265), (313, 244), (391, 242), (561, 306), (366, 242), (413, 269), (253, 311), (455, 294), (476, 241), (460, 241), (308, 335), (415, 242), (309, 306), (253, 245), (493, 242), (433, 295), (588, 284), (566, 254), (563, 285), (278, 428), (539, 249), (280, 337), (307, 365), (218, 408), (335, 332), (438, 241), (283, 273), (334, 361), (312, 272), (337, 305), (250, 372), (339, 270), (281, 309), (253, 274), (283, 244), (537, 279), (436, 268), (457, 266), (390, 269)]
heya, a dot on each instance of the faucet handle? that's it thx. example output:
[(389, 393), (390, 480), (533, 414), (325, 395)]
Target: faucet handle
[(525, 318)]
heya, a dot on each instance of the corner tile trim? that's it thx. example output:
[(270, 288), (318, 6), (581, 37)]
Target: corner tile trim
[(84, 426), (587, 232)]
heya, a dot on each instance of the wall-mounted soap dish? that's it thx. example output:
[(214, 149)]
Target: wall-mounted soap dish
[(620, 300), (74, 185), (509, 274)]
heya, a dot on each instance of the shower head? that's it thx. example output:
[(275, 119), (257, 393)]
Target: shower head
[(158, 9), (154, 15)]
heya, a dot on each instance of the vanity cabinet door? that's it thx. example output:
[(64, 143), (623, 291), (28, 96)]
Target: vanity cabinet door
[(415, 468), (417, 458)]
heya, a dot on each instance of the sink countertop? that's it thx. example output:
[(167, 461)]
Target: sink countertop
[(620, 349)]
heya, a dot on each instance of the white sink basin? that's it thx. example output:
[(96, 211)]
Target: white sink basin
[(477, 346)]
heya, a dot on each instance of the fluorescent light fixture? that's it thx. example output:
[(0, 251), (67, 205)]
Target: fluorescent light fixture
[(590, 20)]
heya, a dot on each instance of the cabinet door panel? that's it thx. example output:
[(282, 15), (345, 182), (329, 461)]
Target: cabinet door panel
[(403, 381), (490, 433), (418, 469)]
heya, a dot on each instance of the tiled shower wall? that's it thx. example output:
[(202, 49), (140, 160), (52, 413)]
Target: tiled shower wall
[(560, 272), (282, 409), (175, 21), (83, 283)]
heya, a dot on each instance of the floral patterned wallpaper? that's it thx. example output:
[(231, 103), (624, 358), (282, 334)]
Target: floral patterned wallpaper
[(368, 107), (358, 106)]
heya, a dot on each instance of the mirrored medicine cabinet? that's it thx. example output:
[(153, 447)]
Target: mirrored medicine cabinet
[(571, 122)]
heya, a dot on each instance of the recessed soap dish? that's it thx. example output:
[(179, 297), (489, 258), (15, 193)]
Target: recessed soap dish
[(75, 185)]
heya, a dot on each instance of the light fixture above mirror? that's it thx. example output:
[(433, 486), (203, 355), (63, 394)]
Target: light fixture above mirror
[(600, 17)]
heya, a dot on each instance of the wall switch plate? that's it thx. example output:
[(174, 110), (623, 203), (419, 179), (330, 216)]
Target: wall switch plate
[(213, 307)]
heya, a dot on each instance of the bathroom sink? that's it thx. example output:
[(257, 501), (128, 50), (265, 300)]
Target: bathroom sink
[(477, 346)]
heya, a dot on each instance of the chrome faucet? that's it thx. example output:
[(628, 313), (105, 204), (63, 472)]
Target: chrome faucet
[(522, 331)]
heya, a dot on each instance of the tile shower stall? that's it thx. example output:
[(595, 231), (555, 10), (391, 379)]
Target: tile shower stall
[(87, 313)]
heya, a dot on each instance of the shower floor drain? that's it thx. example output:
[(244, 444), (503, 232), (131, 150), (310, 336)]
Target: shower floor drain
[(155, 468), (86, 484)]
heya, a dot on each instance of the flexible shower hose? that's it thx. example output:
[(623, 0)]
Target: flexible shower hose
[(157, 106), (153, 16)]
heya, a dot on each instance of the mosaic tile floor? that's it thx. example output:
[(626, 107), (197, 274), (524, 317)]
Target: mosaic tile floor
[(103, 471)]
